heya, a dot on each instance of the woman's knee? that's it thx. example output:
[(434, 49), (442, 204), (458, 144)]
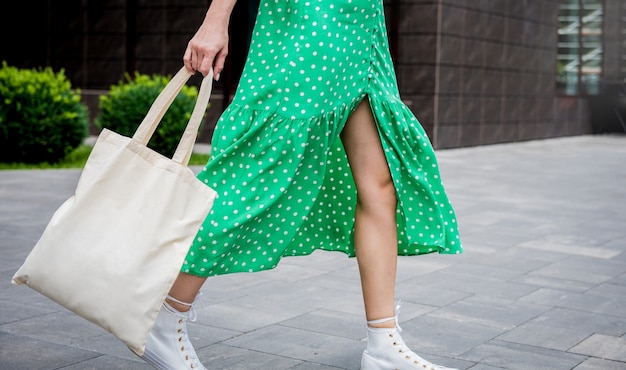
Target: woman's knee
[(376, 193)]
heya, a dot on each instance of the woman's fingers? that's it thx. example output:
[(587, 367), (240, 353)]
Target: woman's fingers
[(219, 63), (187, 60)]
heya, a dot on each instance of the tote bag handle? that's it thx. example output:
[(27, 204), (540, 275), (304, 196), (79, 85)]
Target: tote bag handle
[(162, 103)]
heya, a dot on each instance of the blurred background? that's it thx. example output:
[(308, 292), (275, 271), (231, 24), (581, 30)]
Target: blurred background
[(474, 72)]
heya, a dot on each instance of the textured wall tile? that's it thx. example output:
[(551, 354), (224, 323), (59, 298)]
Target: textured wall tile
[(493, 82), (470, 111), (150, 46), (494, 55), (450, 80), (470, 135), (514, 31), (418, 18), (491, 134), (512, 109), (151, 20), (453, 20), (492, 110), (446, 137), (452, 50), (449, 110), (418, 48), (104, 47), (473, 81), (108, 21), (512, 84), (495, 27), (474, 52), (476, 24), (416, 79), (422, 107), (102, 71)]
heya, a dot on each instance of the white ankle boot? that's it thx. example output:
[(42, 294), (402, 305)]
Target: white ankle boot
[(386, 350), (168, 346)]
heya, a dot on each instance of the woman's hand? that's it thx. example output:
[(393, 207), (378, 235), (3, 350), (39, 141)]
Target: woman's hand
[(208, 48)]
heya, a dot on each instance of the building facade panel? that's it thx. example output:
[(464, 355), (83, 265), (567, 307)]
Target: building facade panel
[(473, 71)]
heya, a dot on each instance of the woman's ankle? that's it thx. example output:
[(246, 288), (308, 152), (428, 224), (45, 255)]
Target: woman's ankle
[(383, 325), (177, 306), (389, 323)]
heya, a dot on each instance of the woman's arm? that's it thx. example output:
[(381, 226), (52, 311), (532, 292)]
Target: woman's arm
[(209, 46)]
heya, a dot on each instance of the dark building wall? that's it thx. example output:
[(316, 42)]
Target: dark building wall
[(96, 42), (614, 40), (473, 71), (482, 72), (416, 62)]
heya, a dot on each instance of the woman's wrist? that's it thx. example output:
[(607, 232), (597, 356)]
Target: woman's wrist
[(220, 11)]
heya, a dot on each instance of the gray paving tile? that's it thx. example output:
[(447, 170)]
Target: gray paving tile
[(28, 297), (597, 363), (568, 244), (621, 280), (11, 311), (20, 353), (543, 255), (334, 323), (554, 283), (588, 270), (303, 345), (449, 280), (515, 259), (514, 356), (108, 363), (586, 322), (618, 242), (615, 292), (60, 327), (478, 269), (428, 294), (485, 367), (225, 357), (577, 301), (501, 314), (313, 366), (435, 335), (108, 346), (542, 271), (545, 336), (326, 298), (603, 346), (245, 314), (409, 268), (332, 281)]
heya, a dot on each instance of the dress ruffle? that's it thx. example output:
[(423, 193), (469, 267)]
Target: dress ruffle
[(284, 184)]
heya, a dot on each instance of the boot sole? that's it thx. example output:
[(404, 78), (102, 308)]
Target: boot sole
[(154, 360)]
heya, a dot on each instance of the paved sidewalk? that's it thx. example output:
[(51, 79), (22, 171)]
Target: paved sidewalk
[(542, 284)]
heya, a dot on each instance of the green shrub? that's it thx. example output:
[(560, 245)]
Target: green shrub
[(127, 103), (41, 117)]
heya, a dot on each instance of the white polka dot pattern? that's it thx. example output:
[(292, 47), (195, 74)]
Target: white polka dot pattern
[(283, 181)]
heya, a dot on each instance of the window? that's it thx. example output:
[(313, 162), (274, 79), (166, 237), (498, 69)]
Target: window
[(624, 42), (579, 61)]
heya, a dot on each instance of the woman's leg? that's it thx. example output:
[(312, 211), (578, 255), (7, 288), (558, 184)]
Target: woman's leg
[(375, 233), (375, 241), (185, 289)]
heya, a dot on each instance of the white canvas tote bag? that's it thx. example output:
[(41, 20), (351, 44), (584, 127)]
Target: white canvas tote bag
[(112, 251)]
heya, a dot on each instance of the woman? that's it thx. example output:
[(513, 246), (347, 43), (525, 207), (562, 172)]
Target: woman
[(316, 119)]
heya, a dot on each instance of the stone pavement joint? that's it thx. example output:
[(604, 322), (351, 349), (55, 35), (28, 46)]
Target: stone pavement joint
[(541, 285)]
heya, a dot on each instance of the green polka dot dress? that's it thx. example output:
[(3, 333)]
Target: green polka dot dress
[(282, 177)]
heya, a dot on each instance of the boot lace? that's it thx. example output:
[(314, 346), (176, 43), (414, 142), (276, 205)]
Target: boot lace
[(188, 352), (403, 350)]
